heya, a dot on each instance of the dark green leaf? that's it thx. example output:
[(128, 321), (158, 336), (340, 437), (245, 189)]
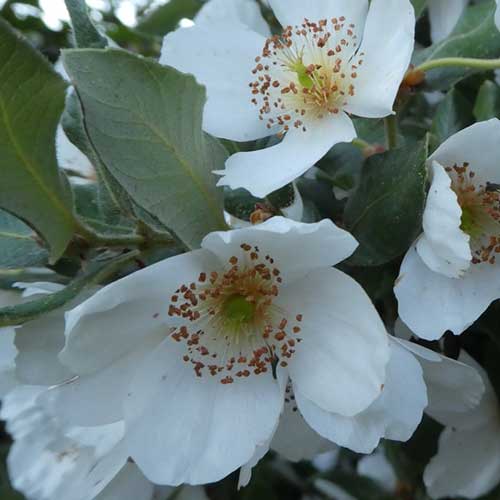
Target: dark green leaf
[(240, 203), (144, 122), (167, 17), (19, 246), (31, 102), (419, 6), (95, 273), (488, 101), (85, 33), (475, 36), (384, 213), (452, 115)]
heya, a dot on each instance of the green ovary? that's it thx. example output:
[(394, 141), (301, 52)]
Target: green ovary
[(237, 309), (304, 79), (469, 223)]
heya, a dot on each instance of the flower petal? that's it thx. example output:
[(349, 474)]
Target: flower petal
[(478, 145), (213, 428), (127, 310), (343, 340), (444, 247), (293, 12), (129, 484), (264, 171), (39, 343), (394, 415), (387, 46), (449, 303), (97, 399), (467, 463), (221, 56), (444, 15), (296, 247), (246, 12), (294, 438), (8, 353)]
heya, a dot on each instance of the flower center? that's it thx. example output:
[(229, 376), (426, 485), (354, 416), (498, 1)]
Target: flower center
[(480, 204), (239, 310), (231, 326), (306, 73)]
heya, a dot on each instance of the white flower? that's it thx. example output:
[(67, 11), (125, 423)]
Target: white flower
[(417, 380), (195, 352), (452, 274), (334, 58), (468, 460), (497, 15), (444, 15), (379, 469)]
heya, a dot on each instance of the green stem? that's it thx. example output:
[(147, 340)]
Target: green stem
[(102, 240), (360, 143), (462, 62), (391, 131)]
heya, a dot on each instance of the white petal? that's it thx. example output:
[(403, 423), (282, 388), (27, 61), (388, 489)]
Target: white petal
[(388, 43), (127, 311), (97, 399), (478, 145), (343, 339), (444, 247), (221, 56), (449, 303), (213, 428), (293, 12), (444, 15), (467, 463), (264, 171), (129, 484), (39, 343), (246, 12), (294, 439), (296, 248), (394, 415), (245, 475), (497, 16), (378, 468)]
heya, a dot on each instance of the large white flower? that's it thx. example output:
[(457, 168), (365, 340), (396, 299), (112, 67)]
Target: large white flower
[(468, 460), (333, 58), (417, 380), (195, 351), (444, 15), (452, 274)]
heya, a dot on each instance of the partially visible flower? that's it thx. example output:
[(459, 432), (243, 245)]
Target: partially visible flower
[(443, 16), (334, 58), (199, 348), (451, 274), (8, 350), (49, 461), (468, 460), (379, 469)]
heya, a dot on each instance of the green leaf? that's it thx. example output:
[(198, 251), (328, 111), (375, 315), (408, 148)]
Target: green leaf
[(112, 198), (452, 115), (488, 101), (144, 122), (95, 273), (384, 213), (19, 246), (167, 17), (474, 36), (85, 33), (31, 102)]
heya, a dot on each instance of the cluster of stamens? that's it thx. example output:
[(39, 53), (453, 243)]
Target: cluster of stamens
[(231, 328), (306, 73), (480, 205)]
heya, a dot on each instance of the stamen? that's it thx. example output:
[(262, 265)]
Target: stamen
[(232, 328)]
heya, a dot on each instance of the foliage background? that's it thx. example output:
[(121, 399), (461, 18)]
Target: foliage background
[(472, 97)]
